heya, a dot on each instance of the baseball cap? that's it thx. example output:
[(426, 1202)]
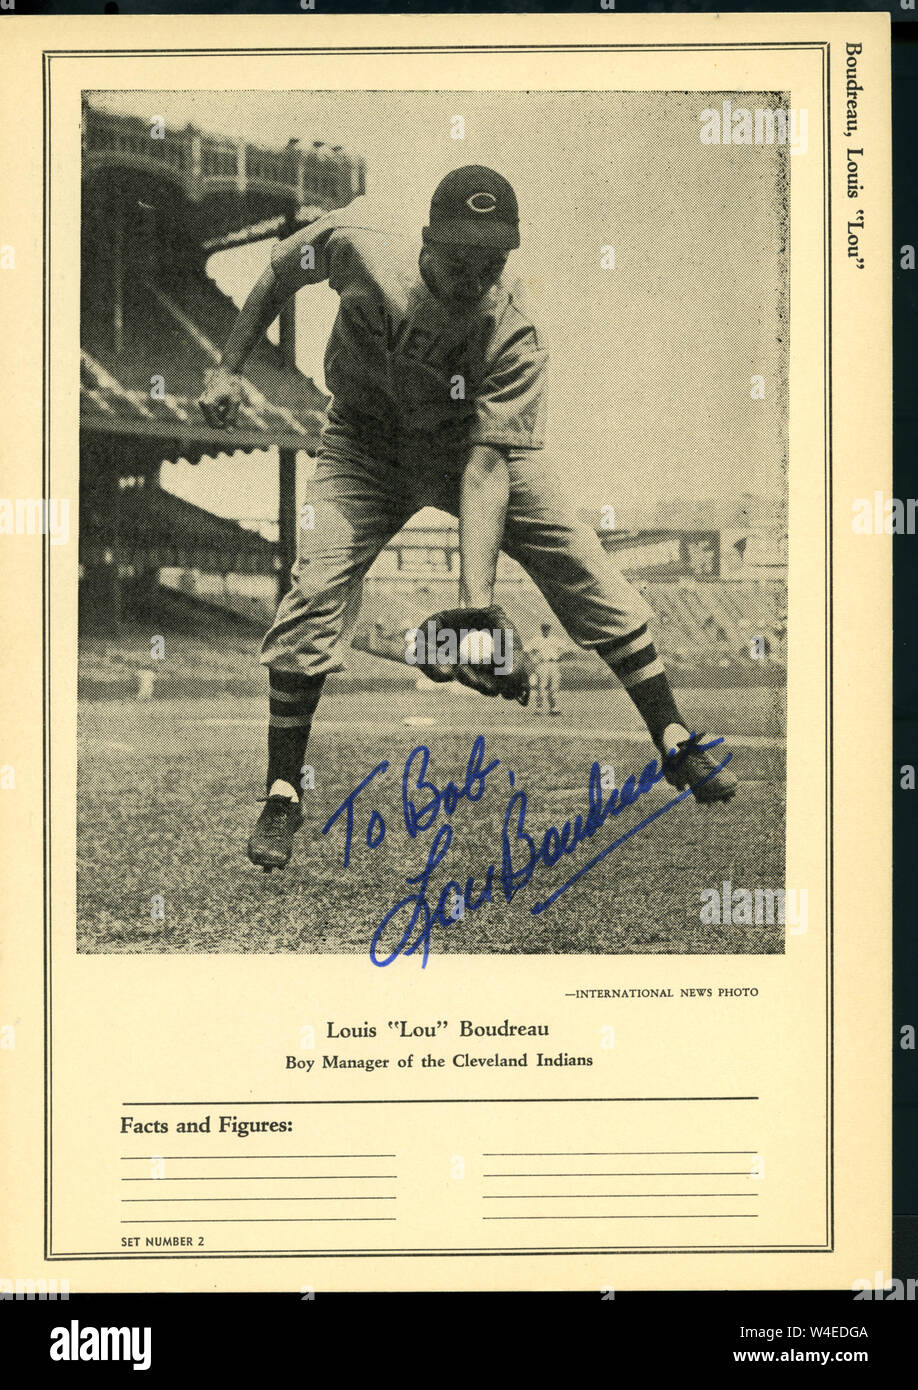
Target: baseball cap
[(474, 206)]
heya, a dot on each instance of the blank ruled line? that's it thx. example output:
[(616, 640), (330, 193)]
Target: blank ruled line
[(574, 1196), (741, 1173), (147, 1200), (638, 1216), (278, 1177), (259, 1158), (632, 1153), (244, 1220)]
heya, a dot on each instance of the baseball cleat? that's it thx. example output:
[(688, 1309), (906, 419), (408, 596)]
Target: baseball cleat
[(689, 765), (271, 841)]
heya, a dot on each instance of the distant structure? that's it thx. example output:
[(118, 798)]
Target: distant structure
[(157, 203), (719, 593)]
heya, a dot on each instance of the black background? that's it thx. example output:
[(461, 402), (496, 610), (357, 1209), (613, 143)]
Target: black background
[(406, 1337)]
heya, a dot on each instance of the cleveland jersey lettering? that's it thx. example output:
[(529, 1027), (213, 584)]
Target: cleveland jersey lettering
[(402, 365)]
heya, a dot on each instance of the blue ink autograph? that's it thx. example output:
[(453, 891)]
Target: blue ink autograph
[(513, 873)]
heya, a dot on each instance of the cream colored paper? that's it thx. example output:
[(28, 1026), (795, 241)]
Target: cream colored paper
[(787, 1089)]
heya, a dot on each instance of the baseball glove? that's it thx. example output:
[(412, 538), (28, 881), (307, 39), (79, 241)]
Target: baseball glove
[(479, 647)]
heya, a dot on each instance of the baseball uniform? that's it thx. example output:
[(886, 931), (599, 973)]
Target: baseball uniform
[(546, 652), (415, 384)]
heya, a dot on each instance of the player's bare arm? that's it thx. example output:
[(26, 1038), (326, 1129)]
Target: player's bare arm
[(483, 497), (223, 394)]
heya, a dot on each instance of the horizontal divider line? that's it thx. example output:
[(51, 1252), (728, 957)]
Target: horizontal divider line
[(535, 1196), (259, 1220), (811, 45), (260, 1158), (449, 1100), (627, 1153), (775, 46), (741, 1173), (147, 1200), (276, 1177), (638, 1216)]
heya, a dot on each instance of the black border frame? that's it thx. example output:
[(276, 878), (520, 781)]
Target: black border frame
[(48, 56)]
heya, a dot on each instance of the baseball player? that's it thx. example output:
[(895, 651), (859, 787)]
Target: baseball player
[(437, 375), (547, 652)]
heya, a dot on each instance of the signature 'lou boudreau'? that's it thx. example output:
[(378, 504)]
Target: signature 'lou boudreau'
[(522, 854)]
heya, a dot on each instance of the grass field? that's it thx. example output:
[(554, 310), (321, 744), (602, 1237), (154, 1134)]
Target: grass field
[(169, 788)]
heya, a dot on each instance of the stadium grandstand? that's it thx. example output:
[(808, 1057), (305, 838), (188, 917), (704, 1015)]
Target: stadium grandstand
[(718, 596), (156, 205)]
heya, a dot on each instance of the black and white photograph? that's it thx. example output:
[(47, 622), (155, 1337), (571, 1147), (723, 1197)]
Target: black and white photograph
[(433, 522)]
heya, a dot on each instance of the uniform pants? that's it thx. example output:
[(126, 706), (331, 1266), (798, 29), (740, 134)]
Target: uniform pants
[(361, 501), (548, 680)]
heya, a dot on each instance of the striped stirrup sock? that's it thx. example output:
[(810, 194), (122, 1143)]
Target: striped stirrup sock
[(293, 700), (634, 660)]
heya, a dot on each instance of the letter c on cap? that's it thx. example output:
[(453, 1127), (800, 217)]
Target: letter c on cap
[(482, 202)]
